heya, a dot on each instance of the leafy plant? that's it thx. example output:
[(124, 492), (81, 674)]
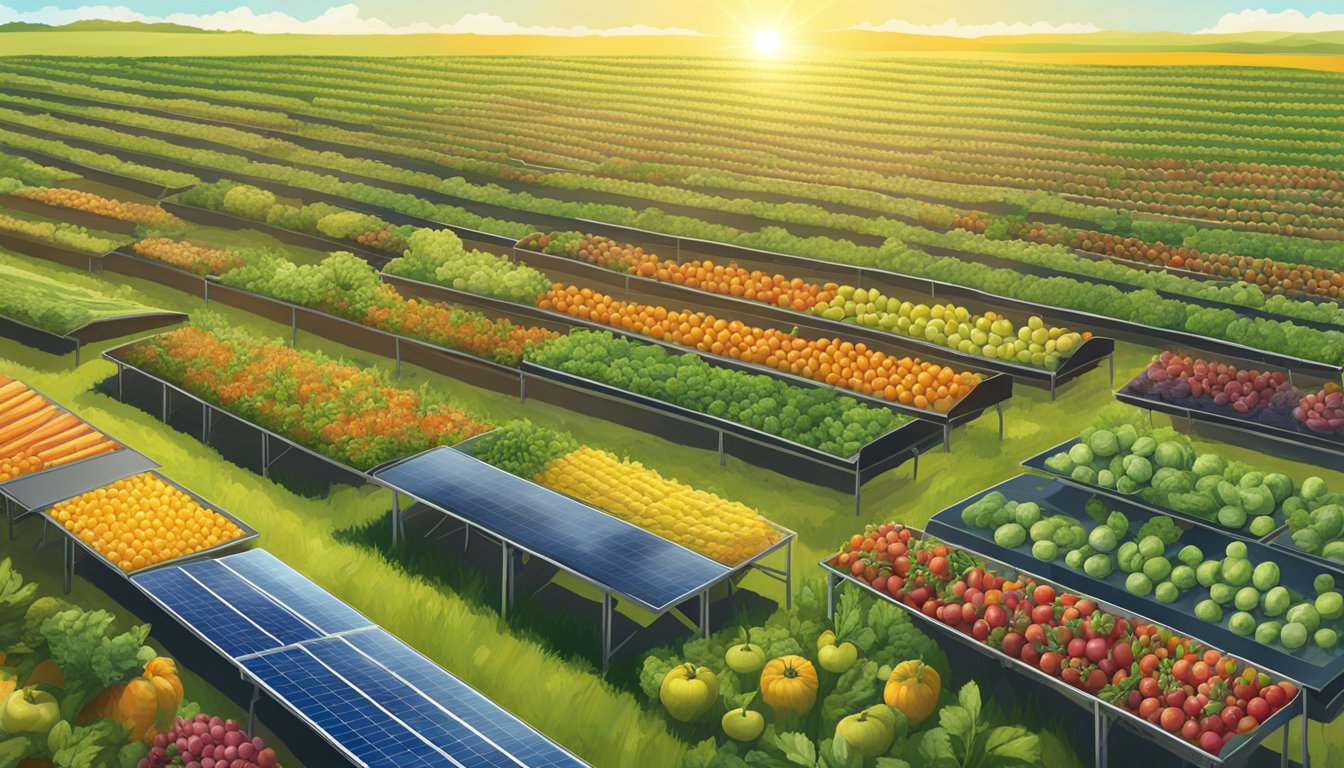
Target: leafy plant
[(964, 739)]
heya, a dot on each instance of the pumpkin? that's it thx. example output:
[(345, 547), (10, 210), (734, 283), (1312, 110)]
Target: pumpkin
[(46, 673), (789, 684), (913, 689), (162, 672), (144, 705)]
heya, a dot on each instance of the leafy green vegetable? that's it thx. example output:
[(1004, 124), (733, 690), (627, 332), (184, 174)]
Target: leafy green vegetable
[(963, 739), (90, 659)]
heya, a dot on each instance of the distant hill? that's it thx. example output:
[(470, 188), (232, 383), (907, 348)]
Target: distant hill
[(99, 25)]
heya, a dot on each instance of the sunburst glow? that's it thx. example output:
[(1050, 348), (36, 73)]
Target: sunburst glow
[(766, 42)]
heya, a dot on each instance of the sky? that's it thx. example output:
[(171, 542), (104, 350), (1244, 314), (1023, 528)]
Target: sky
[(966, 18)]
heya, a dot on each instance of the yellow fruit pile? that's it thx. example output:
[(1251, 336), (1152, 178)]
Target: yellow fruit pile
[(725, 531), (142, 520)]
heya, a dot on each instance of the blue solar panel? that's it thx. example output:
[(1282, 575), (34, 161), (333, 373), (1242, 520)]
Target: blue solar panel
[(230, 587), (295, 591), (196, 607), (617, 555), (483, 716), (320, 696)]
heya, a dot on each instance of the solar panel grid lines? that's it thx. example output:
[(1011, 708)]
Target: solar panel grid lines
[(575, 536), (495, 725), (205, 613), (361, 728), (269, 575)]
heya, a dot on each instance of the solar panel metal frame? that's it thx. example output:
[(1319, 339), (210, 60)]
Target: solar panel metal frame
[(460, 448)]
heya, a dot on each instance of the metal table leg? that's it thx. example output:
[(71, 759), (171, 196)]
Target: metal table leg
[(504, 581), (830, 595), (788, 575), (704, 614), (1306, 753), (252, 711), (606, 631), (68, 555)]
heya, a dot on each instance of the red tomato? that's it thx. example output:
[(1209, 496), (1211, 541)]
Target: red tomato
[(1043, 595), (980, 630), (1085, 607), (1123, 653), (974, 578), (1070, 675), (855, 541), (1231, 716), (1031, 654), (1199, 672), (968, 613), (1258, 708), (1050, 662), (1012, 644), (1192, 706), (1212, 657), (1175, 698), (930, 607), (1149, 688), (1171, 719), (1149, 663), (1275, 696), (1247, 724), (894, 585), (858, 567), (880, 583), (1180, 670), (1213, 723), (1096, 680), (1190, 730), (1043, 614), (1149, 707), (996, 616), (1210, 742), (1289, 689)]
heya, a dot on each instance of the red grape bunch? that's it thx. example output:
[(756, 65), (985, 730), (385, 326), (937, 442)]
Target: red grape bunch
[(208, 742)]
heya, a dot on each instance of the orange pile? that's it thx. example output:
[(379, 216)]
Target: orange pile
[(196, 259), (906, 380), (35, 434), (98, 205), (141, 520), (734, 280)]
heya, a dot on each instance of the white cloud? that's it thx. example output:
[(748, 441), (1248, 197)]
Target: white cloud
[(954, 28), (1261, 20), (337, 20)]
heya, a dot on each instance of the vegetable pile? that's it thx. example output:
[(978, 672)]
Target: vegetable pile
[(815, 417), (1171, 681), (36, 435)]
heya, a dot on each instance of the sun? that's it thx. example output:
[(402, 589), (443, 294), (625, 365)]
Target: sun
[(766, 42)]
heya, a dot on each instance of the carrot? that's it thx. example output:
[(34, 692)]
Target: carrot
[(53, 439), (31, 441), (29, 405), (72, 446), (11, 388), (4, 380), (22, 426), (86, 453)]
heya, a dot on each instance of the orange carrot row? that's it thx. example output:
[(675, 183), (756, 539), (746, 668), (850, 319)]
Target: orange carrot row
[(36, 435)]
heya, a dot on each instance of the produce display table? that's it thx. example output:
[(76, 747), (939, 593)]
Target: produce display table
[(1327, 450), (1105, 715), (70, 542), (1136, 500), (1320, 672)]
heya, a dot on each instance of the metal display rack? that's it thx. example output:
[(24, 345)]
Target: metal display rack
[(1320, 671), (1087, 356), (1105, 715), (70, 542), (1136, 500)]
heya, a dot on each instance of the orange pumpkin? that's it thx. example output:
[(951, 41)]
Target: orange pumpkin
[(145, 704), (162, 672), (789, 685), (46, 672), (913, 688)]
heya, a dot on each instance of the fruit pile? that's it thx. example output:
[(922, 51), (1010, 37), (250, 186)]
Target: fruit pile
[(197, 259), (910, 381), (989, 335), (1177, 377), (36, 435), (728, 532), (1272, 612), (141, 520), (1322, 411), (1171, 681), (205, 742), (139, 213), (58, 232)]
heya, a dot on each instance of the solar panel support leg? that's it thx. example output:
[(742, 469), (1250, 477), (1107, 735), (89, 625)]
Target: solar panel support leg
[(606, 631), (265, 456), (511, 560), (205, 423), (396, 517), (121, 386), (68, 557), (252, 711), (397, 343), (164, 403), (704, 614), (293, 326), (504, 582)]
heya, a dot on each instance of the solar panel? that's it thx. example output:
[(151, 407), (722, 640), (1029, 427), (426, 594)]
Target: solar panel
[(351, 719), (611, 552), (230, 587), (195, 606), (295, 591), (482, 716)]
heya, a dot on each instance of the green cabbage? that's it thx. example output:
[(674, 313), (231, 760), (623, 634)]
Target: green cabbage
[(1280, 485), (1171, 454), (1257, 500), (1144, 446), (1103, 442), (1138, 468), (1209, 464)]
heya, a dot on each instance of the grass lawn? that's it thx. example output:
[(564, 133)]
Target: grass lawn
[(524, 670)]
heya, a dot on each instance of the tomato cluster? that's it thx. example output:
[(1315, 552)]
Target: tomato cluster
[(1172, 681)]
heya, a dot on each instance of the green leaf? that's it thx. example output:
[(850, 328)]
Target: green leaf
[(957, 722), (1011, 745), (701, 755), (797, 748), (969, 698), (891, 762), (758, 759), (13, 750), (936, 749), (848, 613), (837, 753)]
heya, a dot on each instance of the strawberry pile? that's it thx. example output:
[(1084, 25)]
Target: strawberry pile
[(1171, 681)]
